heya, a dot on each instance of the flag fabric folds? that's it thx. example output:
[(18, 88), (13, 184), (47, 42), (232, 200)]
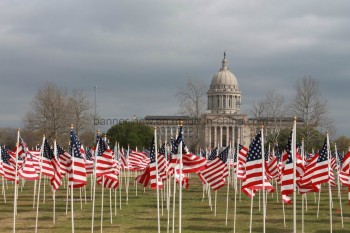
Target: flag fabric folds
[(77, 175), (253, 179), (216, 172)]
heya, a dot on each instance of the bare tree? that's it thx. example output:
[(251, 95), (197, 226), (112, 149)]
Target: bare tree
[(276, 111), (80, 111), (53, 111), (191, 98), (48, 112), (258, 109), (309, 105), (270, 111)]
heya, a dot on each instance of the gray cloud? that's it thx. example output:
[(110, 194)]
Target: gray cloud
[(139, 52)]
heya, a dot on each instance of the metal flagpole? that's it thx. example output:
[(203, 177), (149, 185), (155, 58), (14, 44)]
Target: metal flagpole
[(263, 178), (15, 191), (228, 182), (294, 175), (38, 196), (180, 188), (235, 183), (94, 187), (338, 183), (157, 176), (54, 191), (329, 186)]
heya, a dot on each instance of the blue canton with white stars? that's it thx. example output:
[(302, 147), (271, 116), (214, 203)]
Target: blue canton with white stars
[(48, 153), (152, 154), (5, 155), (323, 156), (75, 144), (213, 154), (224, 154), (255, 148)]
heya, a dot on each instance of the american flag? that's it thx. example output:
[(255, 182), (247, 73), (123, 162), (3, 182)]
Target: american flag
[(104, 159), (242, 156), (149, 176), (253, 179), (272, 168), (27, 171), (190, 163), (56, 180), (152, 166), (216, 172), (109, 181), (305, 184), (287, 172), (89, 164), (344, 174), (213, 154), (8, 169), (46, 166), (321, 172), (65, 160), (77, 176), (138, 160), (162, 149)]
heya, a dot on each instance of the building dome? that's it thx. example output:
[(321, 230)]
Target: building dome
[(224, 79), (224, 96)]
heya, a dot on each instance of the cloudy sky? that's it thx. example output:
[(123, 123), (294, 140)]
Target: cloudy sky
[(139, 52)]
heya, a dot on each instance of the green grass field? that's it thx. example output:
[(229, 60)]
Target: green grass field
[(140, 214)]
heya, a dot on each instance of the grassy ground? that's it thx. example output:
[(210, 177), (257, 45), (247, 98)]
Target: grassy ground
[(140, 214)]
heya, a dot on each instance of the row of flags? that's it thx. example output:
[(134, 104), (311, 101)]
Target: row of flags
[(250, 164)]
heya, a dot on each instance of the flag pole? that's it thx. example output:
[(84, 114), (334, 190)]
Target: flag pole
[(34, 194), (235, 184), (294, 175), (40, 176), (157, 177), (263, 178), (3, 192), (180, 188), (174, 194), (251, 215), (303, 195), (338, 183), (128, 175), (110, 205), (67, 195), (71, 189), (102, 194), (94, 185), (54, 191), (329, 186), (319, 198), (121, 181), (15, 191), (228, 184)]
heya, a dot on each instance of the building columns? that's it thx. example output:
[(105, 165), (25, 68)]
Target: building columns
[(227, 136), (220, 143), (215, 136), (209, 137)]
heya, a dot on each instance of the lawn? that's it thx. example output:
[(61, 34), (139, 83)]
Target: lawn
[(140, 214)]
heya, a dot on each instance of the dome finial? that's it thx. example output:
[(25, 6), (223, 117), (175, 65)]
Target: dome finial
[(224, 62)]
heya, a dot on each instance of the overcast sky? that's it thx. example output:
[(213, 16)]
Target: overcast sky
[(139, 52)]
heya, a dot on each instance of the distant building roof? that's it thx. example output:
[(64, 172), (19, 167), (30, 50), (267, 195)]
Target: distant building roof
[(167, 117)]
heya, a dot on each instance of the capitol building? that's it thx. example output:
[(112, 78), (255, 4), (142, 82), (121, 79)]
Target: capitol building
[(222, 124)]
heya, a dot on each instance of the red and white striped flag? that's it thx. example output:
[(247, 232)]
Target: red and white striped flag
[(77, 175), (253, 179)]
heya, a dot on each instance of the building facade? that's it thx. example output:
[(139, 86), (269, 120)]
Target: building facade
[(223, 123)]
